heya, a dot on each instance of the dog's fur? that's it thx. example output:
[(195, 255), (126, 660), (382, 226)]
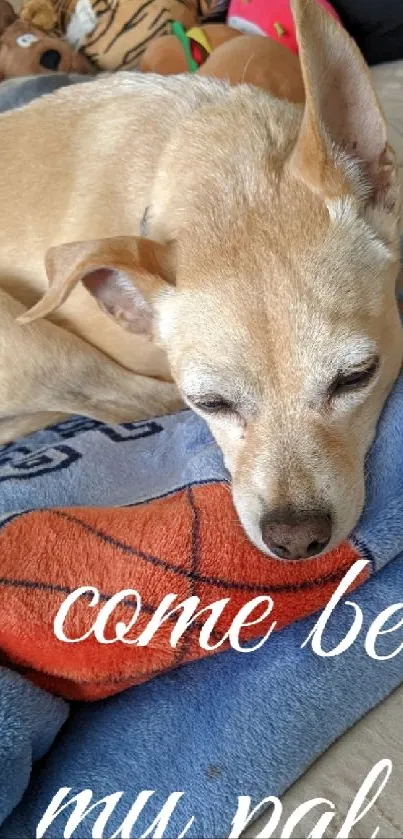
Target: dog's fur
[(273, 277)]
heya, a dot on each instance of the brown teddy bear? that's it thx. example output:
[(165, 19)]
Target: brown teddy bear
[(26, 50)]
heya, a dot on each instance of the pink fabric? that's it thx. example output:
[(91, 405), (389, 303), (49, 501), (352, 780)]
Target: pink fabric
[(261, 17)]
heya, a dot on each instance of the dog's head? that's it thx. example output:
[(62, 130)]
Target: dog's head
[(272, 287)]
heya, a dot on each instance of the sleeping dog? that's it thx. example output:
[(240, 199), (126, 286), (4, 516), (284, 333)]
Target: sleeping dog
[(261, 290)]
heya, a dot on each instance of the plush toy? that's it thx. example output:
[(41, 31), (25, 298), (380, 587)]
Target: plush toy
[(46, 16), (272, 18), (260, 48), (125, 27), (185, 51), (25, 50), (7, 15), (119, 34), (82, 16), (219, 51), (115, 33)]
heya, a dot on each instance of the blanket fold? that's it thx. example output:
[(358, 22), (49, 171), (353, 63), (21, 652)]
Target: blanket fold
[(29, 722)]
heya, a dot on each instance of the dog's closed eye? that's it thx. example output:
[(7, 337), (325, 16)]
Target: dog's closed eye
[(354, 379), (213, 404), (345, 382)]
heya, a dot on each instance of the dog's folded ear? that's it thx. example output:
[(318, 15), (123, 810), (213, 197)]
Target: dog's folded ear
[(342, 147), (124, 274)]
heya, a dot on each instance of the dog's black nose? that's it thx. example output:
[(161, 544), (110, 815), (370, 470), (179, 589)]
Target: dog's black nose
[(296, 535), (50, 59)]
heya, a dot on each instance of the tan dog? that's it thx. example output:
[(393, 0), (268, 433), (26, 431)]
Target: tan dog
[(267, 279)]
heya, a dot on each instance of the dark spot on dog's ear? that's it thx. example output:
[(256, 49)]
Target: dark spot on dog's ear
[(143, 226)]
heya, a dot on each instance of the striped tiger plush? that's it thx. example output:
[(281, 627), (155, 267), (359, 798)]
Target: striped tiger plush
[(124, 29)]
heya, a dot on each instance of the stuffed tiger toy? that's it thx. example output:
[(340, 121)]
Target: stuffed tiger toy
[(114, 34)]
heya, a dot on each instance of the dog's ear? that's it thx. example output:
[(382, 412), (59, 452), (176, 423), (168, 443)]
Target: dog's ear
[(342, 144), (124, 274)]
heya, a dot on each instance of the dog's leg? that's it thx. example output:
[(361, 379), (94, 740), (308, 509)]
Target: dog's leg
[(46, 371), (11, 428)]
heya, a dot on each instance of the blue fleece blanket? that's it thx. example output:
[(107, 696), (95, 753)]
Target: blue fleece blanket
[(227, 726), (84, 462), (231, 725)]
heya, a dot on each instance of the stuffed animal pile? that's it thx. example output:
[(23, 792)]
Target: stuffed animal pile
[(256, 44), (170, 36), (114, 34)]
